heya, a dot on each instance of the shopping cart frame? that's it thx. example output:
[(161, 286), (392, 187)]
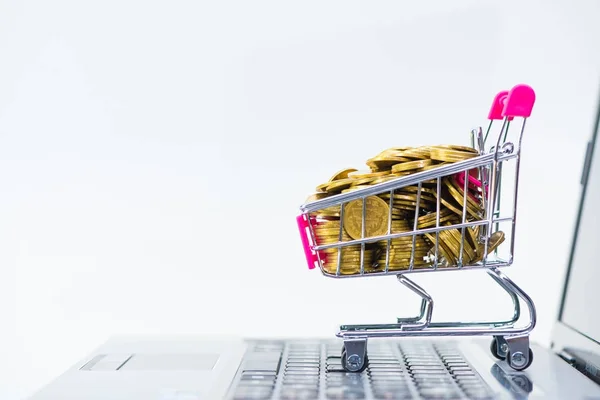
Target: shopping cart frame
[(510, 342)]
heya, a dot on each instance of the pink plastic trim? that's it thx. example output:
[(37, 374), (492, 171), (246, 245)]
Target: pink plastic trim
[(519, 102), (311, 256), (497, 106)]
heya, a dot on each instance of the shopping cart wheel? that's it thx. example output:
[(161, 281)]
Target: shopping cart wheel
[(517, 361), (354, 355), (499, 347)]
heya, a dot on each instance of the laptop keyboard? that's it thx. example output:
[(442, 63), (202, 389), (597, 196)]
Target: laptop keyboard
[(397, 370)]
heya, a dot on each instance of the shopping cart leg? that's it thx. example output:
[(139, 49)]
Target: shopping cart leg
[(518, 353), (426, 306), (407, 320), (354, 355), (519, 356), (499, 347)]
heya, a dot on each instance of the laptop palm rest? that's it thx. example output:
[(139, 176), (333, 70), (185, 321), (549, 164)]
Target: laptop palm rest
[(152, 362)]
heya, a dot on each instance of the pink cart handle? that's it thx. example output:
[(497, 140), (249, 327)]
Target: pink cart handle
[(311, 256), (519, 102), (460, 178), (496, 111), (474, 183)]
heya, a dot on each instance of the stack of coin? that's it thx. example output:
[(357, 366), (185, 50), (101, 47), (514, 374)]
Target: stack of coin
[(402, 207), (400, 249), (348, 257)]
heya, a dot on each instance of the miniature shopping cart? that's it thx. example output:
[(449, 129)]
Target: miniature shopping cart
[(479, 179)]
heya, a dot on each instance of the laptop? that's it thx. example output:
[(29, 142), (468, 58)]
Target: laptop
[(186, 368)]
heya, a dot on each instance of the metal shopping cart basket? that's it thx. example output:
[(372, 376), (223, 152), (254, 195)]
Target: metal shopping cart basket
[(428, 240)]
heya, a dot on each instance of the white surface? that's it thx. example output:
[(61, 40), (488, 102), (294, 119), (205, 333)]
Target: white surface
[(153, 157)]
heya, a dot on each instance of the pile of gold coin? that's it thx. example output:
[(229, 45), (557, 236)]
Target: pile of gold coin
[(389, 214)]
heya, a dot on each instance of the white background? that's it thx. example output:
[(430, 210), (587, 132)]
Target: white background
[(153, 156)]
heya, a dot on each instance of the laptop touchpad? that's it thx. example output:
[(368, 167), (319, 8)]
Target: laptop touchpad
[(170, 362), (153, 362)]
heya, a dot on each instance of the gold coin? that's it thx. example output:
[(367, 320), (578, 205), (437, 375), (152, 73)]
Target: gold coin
[(441, 154), (385, 178), (316, 196), (343, 174), (411, 165), (354, 251), (321, 217), (432, 166), (458, 193), (367, 174), (322, 240), (327, 224), (362, 181), (349, 261), (472, 236), (432, 216), (326, 215), (456, 147), (443, 248), (412, 197), (457, 204), (448, 240), (353, 188), (338, 185), (494, 241), (332, 229), (399, 148), (322, 187), (402, 264), (451, 206), (403, 245), (334, 250), (403, 208), (415, 189), (376, 216), (384, 164), (333, 270), (418, 153), (347, 257), (332, 238), (346, 183), (454, 236), (404, 254)]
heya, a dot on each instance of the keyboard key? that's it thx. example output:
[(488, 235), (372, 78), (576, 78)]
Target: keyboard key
[(261, 365), (439, 393), (375, 380), (304, 360), (463, 373), (393, 395), (427, 373), (425, 364), (299, 394), (454, 364), (465, 368), (302, 373), (258, 378), (252, 394), (376, 372), (400, 387), (428, 382), (345, 393), (414, 368), (312, 368)]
